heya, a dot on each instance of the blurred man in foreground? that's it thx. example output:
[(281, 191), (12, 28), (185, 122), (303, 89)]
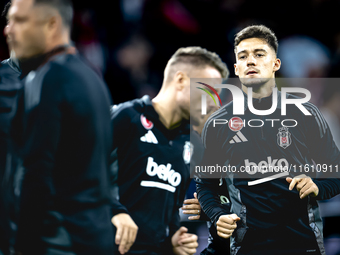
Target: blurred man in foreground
[(65, 199)]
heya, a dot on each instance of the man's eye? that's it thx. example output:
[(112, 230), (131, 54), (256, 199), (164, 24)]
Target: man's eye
[(242, 57), (259, 55), (20, 19)]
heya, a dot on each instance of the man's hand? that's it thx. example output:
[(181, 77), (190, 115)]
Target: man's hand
[(184, 243), (192, 206), (126, 231), (226, 225), (304, 185)]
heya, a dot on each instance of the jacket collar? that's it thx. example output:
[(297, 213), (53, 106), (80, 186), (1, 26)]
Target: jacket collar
[(264, 102), (35, 62), (150, 113)]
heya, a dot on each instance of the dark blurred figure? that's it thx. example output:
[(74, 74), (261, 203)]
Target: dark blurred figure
[(335, 69), (87, 41), (10, 166), (65, 198), (10, 90), (131, 73)]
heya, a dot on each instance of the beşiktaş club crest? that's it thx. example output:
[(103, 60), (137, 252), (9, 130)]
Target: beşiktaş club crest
[(187, 152), (284, 138)]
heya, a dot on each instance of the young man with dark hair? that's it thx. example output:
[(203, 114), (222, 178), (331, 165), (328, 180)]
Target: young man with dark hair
[(269, 214), (260, 32), (65, 198), (154, 176)]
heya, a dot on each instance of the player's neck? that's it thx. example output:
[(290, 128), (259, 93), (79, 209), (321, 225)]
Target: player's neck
[(58, 41), (262, 91), (167, 110)]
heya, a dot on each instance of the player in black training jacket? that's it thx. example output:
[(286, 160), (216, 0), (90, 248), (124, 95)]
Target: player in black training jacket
[(268, 215), (216, 244), (65, 205), (152, 152)]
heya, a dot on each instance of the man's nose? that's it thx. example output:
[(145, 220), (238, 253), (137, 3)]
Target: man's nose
[(6, 30), (251, 60)]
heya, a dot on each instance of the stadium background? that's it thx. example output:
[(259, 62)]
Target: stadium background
[(130, 41)]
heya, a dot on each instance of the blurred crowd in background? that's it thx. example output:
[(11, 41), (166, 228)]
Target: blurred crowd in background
[(130, 41)]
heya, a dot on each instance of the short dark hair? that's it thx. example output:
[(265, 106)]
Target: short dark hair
[(257, 31), (5, 10), (199, 57), (64, 7)]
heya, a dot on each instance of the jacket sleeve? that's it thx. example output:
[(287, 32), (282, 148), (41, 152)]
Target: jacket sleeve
[(209, 199), (324, 153), (117, 207), (120, 122), (174, 225), (206, 186)]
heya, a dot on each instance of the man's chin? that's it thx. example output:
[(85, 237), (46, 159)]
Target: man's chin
[(20, 57), (253, 82)]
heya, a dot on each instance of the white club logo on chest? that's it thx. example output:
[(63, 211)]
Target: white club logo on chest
[(187, 152), (284, 138)]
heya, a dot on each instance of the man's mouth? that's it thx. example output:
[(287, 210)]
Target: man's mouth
[(11, 42), (251, 72)]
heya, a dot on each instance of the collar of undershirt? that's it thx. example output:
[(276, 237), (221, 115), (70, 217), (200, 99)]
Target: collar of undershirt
[(263, 103), (35, 62)]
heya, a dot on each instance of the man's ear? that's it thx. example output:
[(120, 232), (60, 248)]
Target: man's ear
[(52, 23), (180, 79), (277, 64), (236, 69)]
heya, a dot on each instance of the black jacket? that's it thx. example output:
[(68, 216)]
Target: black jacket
[(153, 172), (273, 219), (65, 198), (10, 91)]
